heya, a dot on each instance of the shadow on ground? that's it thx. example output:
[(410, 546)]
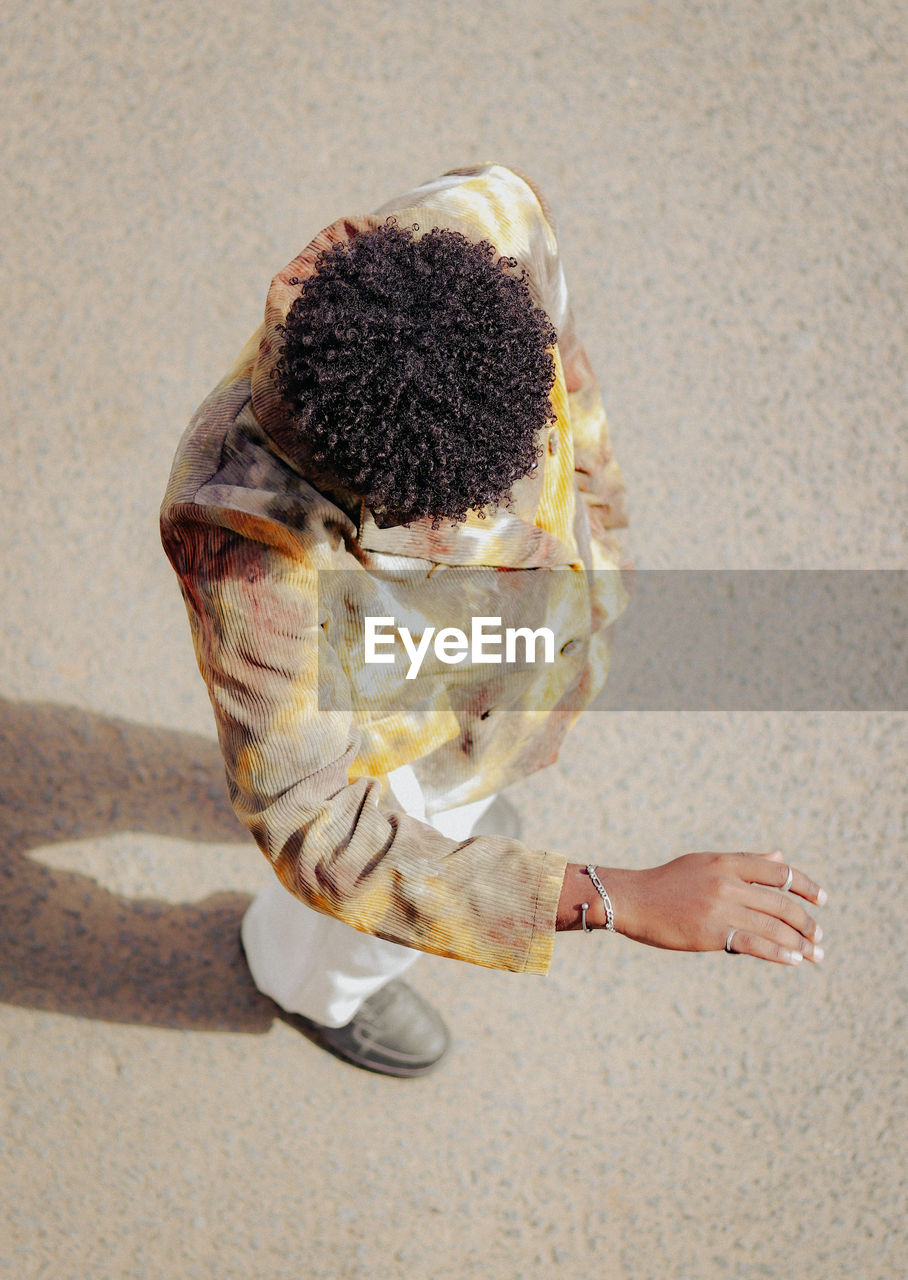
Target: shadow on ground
[(69, 945)]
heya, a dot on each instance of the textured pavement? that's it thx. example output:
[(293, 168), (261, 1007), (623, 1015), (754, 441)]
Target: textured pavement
[(730, 189)]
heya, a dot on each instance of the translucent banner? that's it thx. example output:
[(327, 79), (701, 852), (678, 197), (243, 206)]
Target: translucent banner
[(661, 640)]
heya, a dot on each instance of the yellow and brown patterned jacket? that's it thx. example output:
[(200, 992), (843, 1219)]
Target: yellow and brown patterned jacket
[(309, 732)]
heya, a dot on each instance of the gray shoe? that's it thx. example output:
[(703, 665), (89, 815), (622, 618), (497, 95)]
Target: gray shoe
[(395, 1032)]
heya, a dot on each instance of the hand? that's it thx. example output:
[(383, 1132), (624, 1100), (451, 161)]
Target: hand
[(693, 903)]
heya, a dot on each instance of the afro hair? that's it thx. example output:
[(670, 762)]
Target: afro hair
[(417, 371)]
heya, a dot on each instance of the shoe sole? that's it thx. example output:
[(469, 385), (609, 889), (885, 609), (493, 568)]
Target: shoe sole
[(313, 1032)]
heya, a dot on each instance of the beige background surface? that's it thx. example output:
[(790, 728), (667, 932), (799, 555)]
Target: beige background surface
[(730, 186)]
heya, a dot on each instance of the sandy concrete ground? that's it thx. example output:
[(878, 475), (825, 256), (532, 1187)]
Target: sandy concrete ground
[(731, 199)]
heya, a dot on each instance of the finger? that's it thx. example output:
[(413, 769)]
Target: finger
[(787, 908), (767, 868), (749, 944), (777, 933)]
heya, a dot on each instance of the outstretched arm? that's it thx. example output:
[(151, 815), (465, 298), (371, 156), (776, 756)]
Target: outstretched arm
[(695, 902)]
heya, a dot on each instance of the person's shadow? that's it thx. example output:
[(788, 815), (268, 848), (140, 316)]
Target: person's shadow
[(69, 945)]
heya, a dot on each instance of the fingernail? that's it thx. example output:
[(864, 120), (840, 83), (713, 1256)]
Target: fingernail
[(795, 957), (821, 897), (818, 953), (818, 934)]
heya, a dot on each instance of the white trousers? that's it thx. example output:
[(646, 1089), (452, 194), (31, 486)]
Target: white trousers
[(320, 967)]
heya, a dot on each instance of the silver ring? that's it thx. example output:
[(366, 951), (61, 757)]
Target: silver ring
[(787, 885), (728, 943)]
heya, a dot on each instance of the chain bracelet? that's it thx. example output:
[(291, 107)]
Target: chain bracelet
[(600, 889)]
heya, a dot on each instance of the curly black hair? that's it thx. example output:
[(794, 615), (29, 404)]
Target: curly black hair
[(417, 371)]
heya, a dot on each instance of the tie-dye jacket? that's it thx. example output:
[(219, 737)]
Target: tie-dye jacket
[(308, 731)]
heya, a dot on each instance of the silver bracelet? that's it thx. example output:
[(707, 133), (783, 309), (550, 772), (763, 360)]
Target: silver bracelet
[(585, 906)]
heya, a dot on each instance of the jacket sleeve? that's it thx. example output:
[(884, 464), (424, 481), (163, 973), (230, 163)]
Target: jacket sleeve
[(289, 739)]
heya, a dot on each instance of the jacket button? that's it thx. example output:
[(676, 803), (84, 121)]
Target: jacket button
[(570, 645)]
